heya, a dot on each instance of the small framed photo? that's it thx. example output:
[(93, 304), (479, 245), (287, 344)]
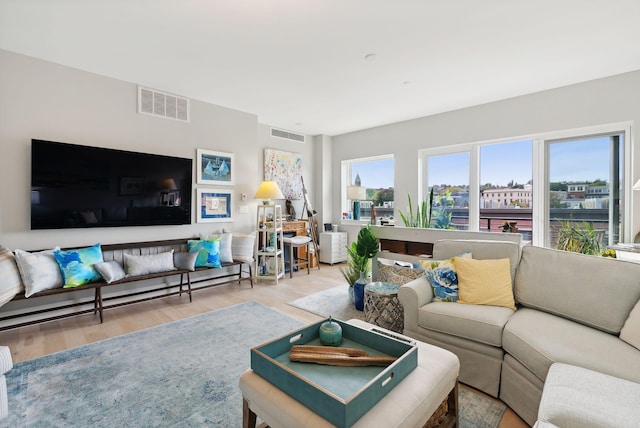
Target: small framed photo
[(213, 205), (214, 167)]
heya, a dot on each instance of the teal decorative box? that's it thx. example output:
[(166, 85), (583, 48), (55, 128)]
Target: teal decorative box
[(339, 394)]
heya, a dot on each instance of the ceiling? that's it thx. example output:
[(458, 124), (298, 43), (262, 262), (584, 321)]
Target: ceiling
[(300, 64)]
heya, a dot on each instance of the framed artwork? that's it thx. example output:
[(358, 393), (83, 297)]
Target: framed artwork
[(214, 167), (285, 168), (213, 205)]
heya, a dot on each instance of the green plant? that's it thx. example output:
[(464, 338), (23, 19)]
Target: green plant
[(360, 253), (579, 238), (422, 216)]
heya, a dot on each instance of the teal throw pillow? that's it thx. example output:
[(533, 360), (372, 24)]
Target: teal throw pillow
[(208, 252), (77, 265)]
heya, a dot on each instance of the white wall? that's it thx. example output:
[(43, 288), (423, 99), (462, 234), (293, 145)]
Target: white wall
[(603, 101), (39, 99)]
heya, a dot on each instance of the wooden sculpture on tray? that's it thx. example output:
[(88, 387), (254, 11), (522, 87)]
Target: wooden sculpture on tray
[(335, 356)]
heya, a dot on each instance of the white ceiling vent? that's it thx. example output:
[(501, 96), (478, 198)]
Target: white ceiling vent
[(281, 133), (151, 101)]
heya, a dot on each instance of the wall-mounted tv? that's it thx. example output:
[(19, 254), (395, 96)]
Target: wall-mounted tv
[(75, 186)]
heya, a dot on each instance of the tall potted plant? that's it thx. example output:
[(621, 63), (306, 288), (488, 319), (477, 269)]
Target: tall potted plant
[(360, 253)]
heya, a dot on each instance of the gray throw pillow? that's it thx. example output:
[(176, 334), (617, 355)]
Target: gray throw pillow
[(145, 265), (110, 271), (185, 261), (39, 271)]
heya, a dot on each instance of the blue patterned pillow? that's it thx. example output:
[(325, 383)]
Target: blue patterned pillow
[(442, 277), (77, 265), (208, 252)]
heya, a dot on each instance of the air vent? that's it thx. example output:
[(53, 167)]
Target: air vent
[(281, 133), (162, 104)]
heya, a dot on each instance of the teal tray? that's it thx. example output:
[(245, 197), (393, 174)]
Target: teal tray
[(339, 394)]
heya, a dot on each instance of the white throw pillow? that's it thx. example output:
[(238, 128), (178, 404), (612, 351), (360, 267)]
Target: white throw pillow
[(145, 265), (110, 271), (10, 282), (39, 271), (225, 251), (242, 247)]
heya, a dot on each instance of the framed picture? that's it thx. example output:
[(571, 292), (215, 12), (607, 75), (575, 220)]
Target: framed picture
[(214, 167), (213, 205)]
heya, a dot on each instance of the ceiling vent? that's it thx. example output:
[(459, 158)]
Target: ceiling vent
[(281, 133), (162, 104)]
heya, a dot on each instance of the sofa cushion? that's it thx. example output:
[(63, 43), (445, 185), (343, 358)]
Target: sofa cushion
[(39, 271), (148, 264), (484, 282), (630, 332), (10, 282), (77, 265), (597, 291), (479, 323), (185, 260), (397, 274), (481, 250), (443, 278), (538, 339), (226, 242)]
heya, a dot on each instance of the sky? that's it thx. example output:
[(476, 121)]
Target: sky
[(581, 160)]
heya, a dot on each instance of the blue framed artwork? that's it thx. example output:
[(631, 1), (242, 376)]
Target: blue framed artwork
[(213, 205), (214, 167)]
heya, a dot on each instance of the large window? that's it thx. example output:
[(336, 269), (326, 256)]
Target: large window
[(534, 185), (375, 175)]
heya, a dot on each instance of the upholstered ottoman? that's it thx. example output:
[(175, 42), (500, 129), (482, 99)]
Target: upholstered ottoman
[(410, 404), (581, 398), (6, 364)]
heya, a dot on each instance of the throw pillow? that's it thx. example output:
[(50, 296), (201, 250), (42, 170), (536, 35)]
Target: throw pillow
[(208, 252), (185, 261), (226, 240), (242, 247), (441, 274), (485, 282), (110, 271), (630, 332), (39, 271), (398, 274), (10, 282), (148, 264), (77, 265)]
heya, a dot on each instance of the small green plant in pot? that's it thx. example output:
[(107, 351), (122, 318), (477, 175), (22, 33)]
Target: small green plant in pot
[(579, 238), (360, 253)]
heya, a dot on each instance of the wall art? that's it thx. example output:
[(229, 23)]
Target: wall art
[(213, 205), (285, 168), (214, 167)]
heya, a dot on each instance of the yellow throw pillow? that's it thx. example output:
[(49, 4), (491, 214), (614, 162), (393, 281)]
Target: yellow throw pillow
[(484, 282)]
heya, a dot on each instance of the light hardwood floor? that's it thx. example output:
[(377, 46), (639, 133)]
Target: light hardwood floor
[(34, 341)]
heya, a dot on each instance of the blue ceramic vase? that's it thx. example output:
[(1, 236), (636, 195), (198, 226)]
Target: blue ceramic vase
[(358, 292)]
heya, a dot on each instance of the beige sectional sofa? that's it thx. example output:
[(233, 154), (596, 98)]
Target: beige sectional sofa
[(571, 308)]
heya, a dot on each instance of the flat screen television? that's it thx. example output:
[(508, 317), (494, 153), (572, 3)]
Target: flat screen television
[(75, 186)]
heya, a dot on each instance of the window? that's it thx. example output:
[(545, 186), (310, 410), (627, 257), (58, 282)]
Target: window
[(596, 164), (533, 183), (375, 175), (448, 176)]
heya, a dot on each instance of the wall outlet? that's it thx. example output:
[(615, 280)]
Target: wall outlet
[(243, 196), (244, 209)]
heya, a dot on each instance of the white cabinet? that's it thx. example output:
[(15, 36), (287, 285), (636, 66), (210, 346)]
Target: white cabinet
[(333, 247), (270, 260)]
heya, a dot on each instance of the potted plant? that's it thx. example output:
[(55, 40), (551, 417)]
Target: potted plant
[(360, 253), (579, 238)]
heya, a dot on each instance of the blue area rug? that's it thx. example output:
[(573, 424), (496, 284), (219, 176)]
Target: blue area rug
[(181, 374), (184, 373)]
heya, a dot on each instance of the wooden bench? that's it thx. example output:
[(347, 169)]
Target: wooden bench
[(230, 272)]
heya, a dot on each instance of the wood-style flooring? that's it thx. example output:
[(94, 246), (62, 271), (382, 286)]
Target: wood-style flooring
[(34, 341)]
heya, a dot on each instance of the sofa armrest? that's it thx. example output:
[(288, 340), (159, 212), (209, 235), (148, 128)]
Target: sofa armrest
[(413, 295), (6, 362)]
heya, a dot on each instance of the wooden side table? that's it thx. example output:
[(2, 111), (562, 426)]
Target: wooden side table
[(382, 307)]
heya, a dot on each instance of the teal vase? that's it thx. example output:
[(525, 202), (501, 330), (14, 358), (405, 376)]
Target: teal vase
[(358, 292)]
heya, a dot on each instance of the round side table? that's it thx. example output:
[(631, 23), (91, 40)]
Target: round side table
[(382, 307)]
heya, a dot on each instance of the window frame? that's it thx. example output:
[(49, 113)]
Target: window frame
[(540, 145)]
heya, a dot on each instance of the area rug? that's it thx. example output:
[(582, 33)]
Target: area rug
[(333, 302), (183, 373)]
